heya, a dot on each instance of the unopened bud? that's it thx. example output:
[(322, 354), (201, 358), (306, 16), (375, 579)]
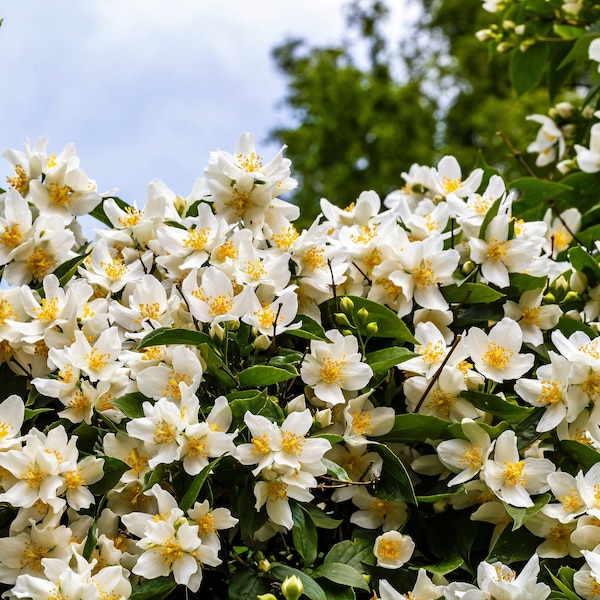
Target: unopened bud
[(372, 328), (578, 282), (571, 296), (263, 567), (346, 305), (549, 298), (468, 267), (324, 417), (266, 597), (342, 319), (362, 314), (504, 47), (262, 342), (292, 587), (216, 332), (232, 325)]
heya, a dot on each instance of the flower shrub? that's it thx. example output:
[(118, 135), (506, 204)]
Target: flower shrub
[(400, 400)]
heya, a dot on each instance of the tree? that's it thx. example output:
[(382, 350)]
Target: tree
[(439, 93)]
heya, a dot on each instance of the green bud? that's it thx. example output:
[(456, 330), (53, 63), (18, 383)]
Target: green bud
[(362, 314), (292, 587), (468, 267), (372, 328), (232, 325), (342, 319), (265, 597), (549, 298), (264, 566), (571, 296), (262, 342), (346, 332), (346, 305)]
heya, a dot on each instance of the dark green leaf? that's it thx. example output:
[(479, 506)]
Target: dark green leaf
[(65, 271), (113, 469), (334, 469), (394, 483), (527, 68), (342, 574), (584, 455), (246, 585), (131, 404), (514, 546), (247, 400), (567, 326), (320, 518), (157, 475), (351, 552), (382, 360), (191, 495), (521, 515), (304, 535), (566, 590), (90, 541), (30, 413), (166, 335), (389, 323), (264, 375), (535, 191), (414, 427), (489, 215), (310, 330), (153, 589), (445, 566), (583, 262), (525, 282), (471, 293), (497, 406)]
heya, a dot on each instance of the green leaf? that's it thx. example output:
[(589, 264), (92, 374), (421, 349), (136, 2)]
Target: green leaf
[(246, 585), (193, 490), (99, 214), (337, 592), (90, 542), (521, 515), (567, 591), (304, 535), (351, 552), (65, 271), (579, 52), (513, 546), (247, 400), (586, 456), (471, 293), (525, 282), (153, 589), (310, 330), (567, 326), (382, 360), (216, 366), (166, 335), (535, 191), (113, 469), (414, 427), (263, 375), (445, 566), (497, 406), (567, 32), (489, 215), (390, 325), (30, 413), (157, 475), (526, 69), (311, 588), (394, 483), (131, 404), (583, 262), (334, 469), (320, 518), (342, 574)]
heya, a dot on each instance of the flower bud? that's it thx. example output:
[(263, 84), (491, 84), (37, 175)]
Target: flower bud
[(346, 305), (342, 319), (262, 342), (372, 328), (216, 332), (578, 282), (292, 587), (232, 325), (468, 267), (263, 567), (362, 314), (324, 417), (266, 597), (504, 47)]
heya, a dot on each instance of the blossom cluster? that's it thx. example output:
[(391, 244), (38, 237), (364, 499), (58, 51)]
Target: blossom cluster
[(203, 386)]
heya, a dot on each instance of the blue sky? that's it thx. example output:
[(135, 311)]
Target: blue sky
[(147, 88)]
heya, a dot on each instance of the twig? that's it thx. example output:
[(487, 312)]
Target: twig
[(437, 373), (516, 154), (559, 216)]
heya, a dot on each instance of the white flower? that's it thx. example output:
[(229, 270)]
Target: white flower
[(333, 367), (364, 419), (424, 589), (497, 355), (465, 457), (376, 512), (392, 549), (273, 317), (448, 178), (498, 255), (513, 479), (532, 317), (549, 137), (588, 159), (587, 580), (99, 360), (12, 413), (209, 521), (557, 536)]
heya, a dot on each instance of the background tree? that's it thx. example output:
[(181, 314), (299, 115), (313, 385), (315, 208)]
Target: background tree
[(368, 108)]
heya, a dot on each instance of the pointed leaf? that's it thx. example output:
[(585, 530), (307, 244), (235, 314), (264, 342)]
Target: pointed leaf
[(342, 574), (167, 335), (382, 360), (192, 492), (263, 375)]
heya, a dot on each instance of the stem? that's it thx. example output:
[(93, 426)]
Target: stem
[(437, 373), (558, 215), (516, 154)]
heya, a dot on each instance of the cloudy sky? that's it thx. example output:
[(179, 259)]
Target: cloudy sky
[(146, 88)]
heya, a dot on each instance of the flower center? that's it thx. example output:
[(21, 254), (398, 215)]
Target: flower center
[(313, 258), (40, 263), (164, 433), (424, 275), (48, 309), (361, 423), (220, 305), (197, 238), (498, 251), (497, 356), (389, 549), (331, 371), (531, 315), (20, 181), (132, 217), (292, 443), (286, 238), (12, 236), (171, 551), (513, 473), (471, 456), (551, 393)]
